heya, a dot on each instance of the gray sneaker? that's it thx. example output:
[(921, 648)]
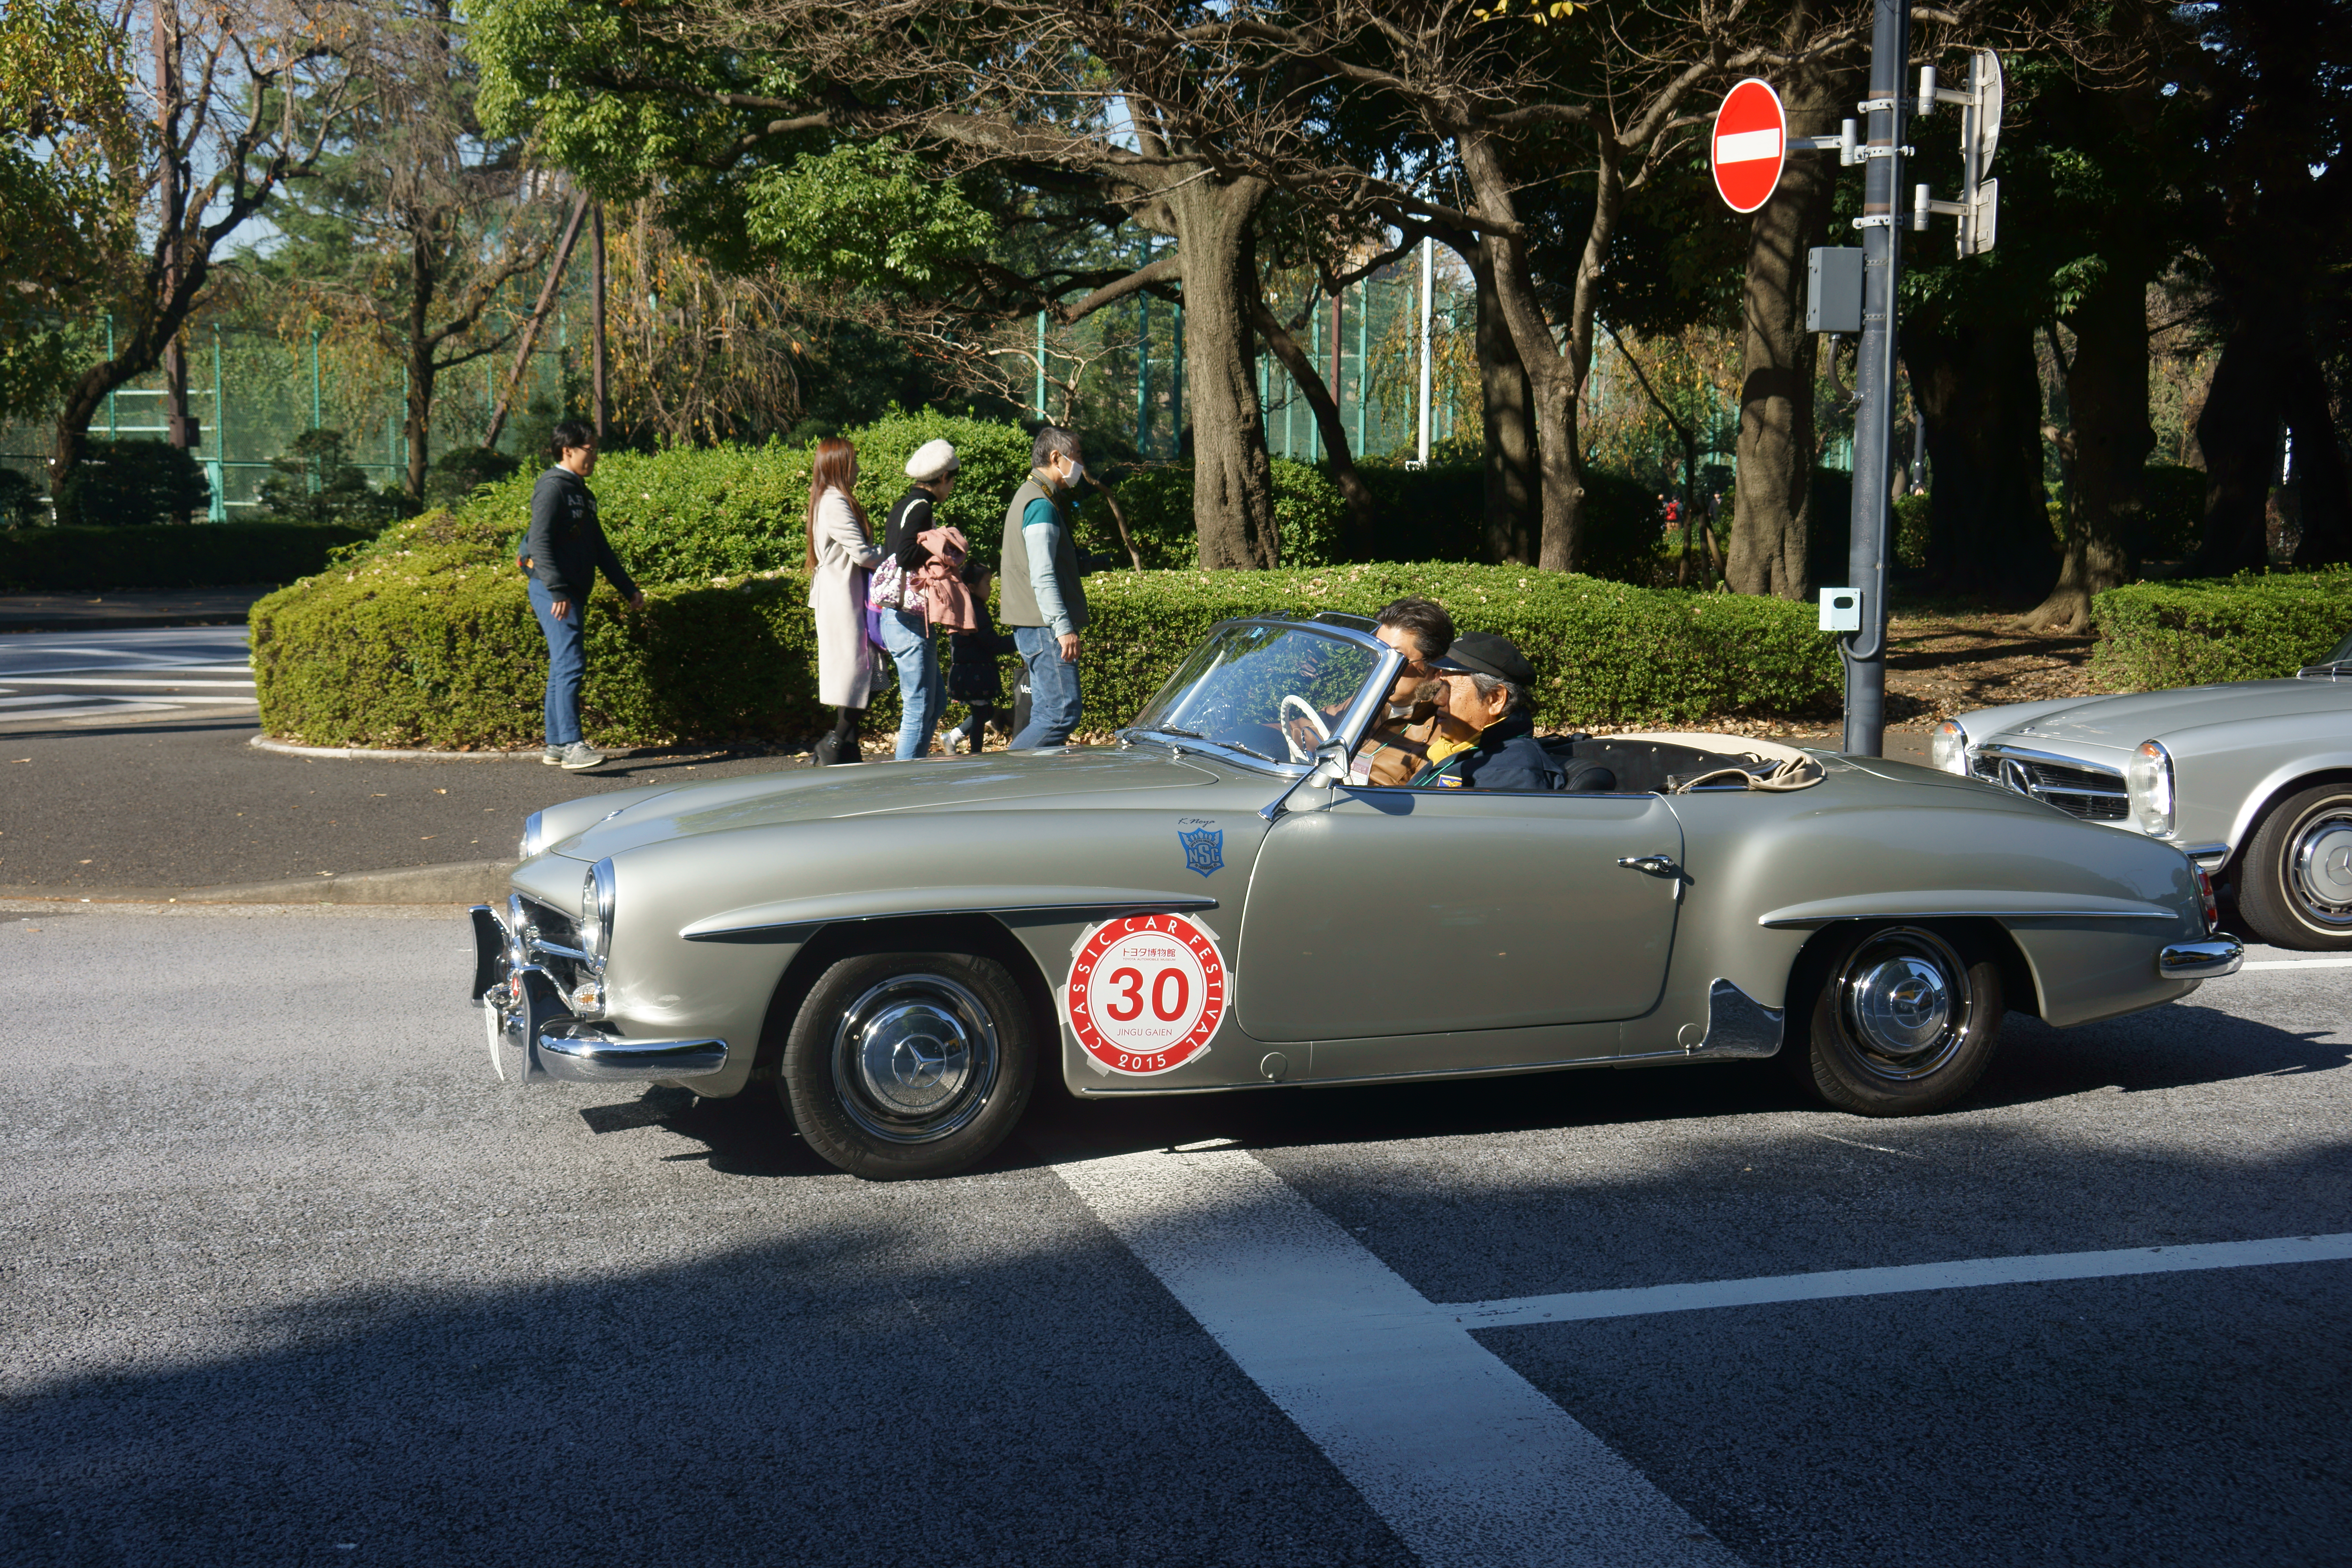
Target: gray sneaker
[(554, 757), (581, 754)]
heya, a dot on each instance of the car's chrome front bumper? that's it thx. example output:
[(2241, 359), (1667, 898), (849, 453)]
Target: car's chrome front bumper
[(2207, 960), (533, 1036)]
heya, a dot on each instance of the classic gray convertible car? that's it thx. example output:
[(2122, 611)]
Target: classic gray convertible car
[(2252, 779), (1220, 901)]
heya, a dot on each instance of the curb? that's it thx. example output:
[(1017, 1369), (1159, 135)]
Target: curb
[(465, 882), (363, 753)]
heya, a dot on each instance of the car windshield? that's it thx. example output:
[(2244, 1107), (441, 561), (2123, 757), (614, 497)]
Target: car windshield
[(1268, 690), (2342, 653)]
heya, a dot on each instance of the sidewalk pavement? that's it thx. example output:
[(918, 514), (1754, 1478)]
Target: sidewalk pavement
[(90, 612)]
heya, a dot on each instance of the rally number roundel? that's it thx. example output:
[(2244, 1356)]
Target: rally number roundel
[(1147, 992), (1751, 144)]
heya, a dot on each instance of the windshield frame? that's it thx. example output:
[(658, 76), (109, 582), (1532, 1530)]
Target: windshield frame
[(1348, 728)]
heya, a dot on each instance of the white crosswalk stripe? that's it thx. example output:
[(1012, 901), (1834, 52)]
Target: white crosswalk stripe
[(47, 677)]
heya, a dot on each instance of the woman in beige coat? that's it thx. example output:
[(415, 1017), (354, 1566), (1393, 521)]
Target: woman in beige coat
[(841, 550)]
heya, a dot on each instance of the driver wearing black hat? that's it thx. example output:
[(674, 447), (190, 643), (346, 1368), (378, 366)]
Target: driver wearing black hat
[(1487, 681)]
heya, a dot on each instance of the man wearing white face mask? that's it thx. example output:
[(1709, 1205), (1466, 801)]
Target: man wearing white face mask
[(1044, 601)]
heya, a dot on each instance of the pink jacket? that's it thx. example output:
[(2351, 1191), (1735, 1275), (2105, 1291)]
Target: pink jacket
[(946, 600)]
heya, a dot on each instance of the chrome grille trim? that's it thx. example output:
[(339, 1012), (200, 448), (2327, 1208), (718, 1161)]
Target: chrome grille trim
[(2079, 789)]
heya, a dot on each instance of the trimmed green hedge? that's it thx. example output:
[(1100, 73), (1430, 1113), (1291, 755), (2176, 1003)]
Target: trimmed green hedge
[(2256, 625), (427, 640), (198, 555)]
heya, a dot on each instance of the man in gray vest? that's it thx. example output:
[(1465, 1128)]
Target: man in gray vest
[(1044, 601)]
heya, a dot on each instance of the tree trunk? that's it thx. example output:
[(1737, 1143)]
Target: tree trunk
[(1981, 393), (1772, 519), (2106, 397), (2238, 431), (2319, 465), (1361, 506), (1233, 485), (1555, 373), (424, 277), (1513, 490)]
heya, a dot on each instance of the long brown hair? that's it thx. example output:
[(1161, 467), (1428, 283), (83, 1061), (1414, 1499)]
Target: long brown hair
[(834, 467)]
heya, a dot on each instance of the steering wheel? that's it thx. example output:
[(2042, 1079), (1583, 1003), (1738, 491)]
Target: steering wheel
[(1307, 709)]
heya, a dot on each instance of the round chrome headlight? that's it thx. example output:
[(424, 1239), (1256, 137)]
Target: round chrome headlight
[(596, 910), (1949, 748), (2147, 779)]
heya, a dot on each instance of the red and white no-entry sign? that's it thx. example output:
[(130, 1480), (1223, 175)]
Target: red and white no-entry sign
[(1751, 144)]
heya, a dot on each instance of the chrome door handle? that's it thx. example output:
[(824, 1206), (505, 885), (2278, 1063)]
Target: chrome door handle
[(1656, 865)]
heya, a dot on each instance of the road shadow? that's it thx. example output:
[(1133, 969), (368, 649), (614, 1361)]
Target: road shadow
[(2181, 1046)]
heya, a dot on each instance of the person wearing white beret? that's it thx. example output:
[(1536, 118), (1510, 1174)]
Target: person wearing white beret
[(907, 634)]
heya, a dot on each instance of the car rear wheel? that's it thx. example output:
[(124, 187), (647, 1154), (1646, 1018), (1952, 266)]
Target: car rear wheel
[(1899, 1023), (904, 1064), (2295, 886)]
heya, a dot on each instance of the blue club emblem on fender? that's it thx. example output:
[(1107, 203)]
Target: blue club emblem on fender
[(1204, 848)]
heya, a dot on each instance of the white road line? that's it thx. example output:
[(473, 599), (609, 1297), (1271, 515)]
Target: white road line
[(1469, 1463), (99, 680), (25, 715), (1584, 1305), (2295, 963)]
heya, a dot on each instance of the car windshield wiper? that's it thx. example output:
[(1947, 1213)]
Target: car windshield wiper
[(1196, 735)]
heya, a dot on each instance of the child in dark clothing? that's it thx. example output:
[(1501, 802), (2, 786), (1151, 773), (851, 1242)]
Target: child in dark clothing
[(974, 677)]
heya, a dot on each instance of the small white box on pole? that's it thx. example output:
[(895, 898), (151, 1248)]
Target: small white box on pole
[(1841, 610)]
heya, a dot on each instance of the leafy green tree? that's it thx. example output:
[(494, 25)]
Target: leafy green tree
[(315, 481), (133, 484), (66, 123)]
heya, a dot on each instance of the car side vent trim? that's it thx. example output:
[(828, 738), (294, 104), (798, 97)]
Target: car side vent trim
[(764, 922)]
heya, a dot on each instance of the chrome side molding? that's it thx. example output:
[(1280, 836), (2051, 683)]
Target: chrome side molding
[(572, 1053), (2207, 960)]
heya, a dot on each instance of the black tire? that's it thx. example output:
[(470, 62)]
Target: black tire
[(2294, 884), (1900, 1021), (907, 1065)]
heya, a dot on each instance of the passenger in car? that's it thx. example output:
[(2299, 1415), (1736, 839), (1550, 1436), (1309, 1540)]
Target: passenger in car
[(1487, 680)]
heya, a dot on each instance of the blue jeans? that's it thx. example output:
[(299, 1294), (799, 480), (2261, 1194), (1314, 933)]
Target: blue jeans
[(567, 661), (907, 638), (1056, 704)]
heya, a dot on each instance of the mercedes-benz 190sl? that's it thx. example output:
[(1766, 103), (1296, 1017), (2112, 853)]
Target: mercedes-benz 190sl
[(2252, 778), (1221, 902)]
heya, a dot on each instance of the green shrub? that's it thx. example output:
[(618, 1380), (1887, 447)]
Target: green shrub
[(130, 484), (200, 555), (427, 640), (2256, 625), (457, 474), (1309, 514), (20, 500), (1911, 518)]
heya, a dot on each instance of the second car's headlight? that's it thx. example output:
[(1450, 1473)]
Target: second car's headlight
[(1949, 749), (2148, 778), (596, 910)]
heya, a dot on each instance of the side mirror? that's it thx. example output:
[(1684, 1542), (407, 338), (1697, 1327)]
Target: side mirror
[(1331, 769)]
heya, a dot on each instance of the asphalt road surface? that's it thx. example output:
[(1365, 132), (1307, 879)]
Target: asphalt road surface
[(56, 678), (290, 1280)]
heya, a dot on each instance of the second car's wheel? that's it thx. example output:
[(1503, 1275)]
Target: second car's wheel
[(2295, 887), (1899, 1025), (909, 1064)]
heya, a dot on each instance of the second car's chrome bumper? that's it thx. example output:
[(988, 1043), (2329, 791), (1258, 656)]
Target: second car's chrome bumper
[(2207, 960)]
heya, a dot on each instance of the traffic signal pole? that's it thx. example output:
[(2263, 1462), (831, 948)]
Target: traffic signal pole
[(1882, 216)]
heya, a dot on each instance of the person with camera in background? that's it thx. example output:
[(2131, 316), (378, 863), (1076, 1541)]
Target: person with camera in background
[(563, 553)]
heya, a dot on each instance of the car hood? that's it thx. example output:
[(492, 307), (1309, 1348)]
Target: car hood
[(933, 784), (2120, 723)]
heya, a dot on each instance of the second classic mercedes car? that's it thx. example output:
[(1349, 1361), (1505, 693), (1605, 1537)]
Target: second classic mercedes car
[(2252, 778), (1221, 902)]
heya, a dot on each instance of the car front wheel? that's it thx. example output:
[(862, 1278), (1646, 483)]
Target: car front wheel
[(904, 1064), (1900, 1023), (2295, 887)]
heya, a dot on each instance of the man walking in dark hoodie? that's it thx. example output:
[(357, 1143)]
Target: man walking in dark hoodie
[(562, 552)]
